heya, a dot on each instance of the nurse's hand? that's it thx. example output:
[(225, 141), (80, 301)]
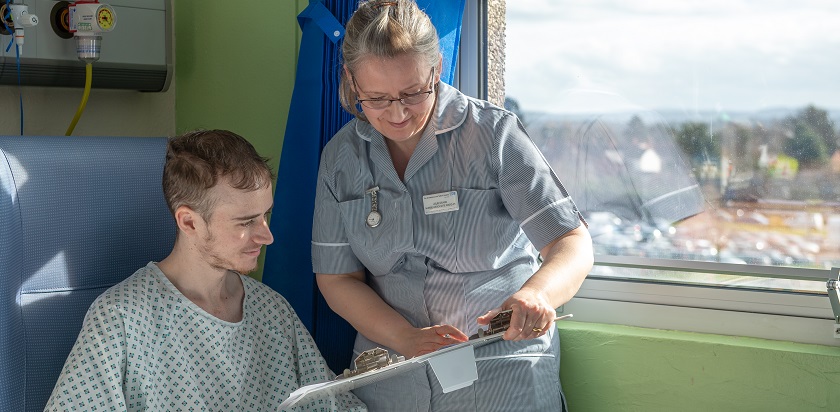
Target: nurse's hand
[(532, 315), (420, 341)]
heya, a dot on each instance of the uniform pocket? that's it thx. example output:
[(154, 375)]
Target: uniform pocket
[(374, 246)]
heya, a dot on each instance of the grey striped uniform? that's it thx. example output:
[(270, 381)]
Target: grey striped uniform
[(452, 267)]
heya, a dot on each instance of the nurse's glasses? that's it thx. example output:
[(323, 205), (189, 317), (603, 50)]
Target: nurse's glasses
[(407, 100)]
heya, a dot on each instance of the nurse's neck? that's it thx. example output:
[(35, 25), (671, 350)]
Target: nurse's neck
[(401, 153)]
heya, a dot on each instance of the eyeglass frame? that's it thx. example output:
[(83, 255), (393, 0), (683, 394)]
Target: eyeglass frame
[(401, 99)]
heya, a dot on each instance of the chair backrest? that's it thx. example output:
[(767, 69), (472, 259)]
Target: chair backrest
[(77, 215)]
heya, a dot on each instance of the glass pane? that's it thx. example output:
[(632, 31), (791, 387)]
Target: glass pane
[(697, 130)]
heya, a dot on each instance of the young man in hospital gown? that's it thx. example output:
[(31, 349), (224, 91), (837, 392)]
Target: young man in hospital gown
[(191, 332)]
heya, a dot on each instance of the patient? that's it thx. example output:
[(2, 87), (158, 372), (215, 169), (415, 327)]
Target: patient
[(191, 332)]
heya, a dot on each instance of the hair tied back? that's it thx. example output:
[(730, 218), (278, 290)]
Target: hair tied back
[(382, 4)]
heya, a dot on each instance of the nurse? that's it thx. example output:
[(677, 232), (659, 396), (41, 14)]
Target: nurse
[(430, 209)]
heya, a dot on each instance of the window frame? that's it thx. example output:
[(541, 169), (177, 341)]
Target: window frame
[(787, 316), (790, 316), (471, 73)]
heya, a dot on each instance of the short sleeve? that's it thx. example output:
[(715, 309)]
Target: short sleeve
[(331, 252), (531, 191), (92, 376)]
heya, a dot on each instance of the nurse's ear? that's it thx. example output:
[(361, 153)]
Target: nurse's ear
[(439, 68), (350, 81)]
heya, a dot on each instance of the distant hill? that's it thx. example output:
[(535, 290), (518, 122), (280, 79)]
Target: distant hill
[(676, 117)]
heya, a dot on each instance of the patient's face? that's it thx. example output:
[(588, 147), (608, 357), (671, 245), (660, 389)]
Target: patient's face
[(237, 229)]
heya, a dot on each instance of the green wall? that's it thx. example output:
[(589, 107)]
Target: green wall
[(622, 368), (235, 69)]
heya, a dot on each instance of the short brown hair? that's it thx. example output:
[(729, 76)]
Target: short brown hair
[(195, 162)]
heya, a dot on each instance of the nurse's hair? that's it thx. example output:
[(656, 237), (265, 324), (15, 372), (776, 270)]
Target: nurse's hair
[(385, 29), (199, 160)]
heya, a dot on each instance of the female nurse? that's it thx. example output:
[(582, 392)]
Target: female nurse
[(430, 208)]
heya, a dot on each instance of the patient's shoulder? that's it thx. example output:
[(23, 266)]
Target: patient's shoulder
[(262, 293), (262, 298), (140, 291)]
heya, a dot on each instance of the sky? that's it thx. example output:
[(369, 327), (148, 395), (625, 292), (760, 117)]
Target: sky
[(688, 55)]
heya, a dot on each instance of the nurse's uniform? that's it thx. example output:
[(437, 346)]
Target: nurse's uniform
[(491, 200)]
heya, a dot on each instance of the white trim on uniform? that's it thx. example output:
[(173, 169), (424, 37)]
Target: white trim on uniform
[(453, 127), (555, 203), (330, 244)]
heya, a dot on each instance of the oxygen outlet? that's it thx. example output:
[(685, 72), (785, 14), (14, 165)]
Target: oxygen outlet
[(16, 17)]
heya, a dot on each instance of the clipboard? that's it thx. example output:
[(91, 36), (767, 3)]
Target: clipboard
[(454, 367)]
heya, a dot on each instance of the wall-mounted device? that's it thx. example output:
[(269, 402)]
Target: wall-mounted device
[(16, 18), (88, 19), (137, 55)]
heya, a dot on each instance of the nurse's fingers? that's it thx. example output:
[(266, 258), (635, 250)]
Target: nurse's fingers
[(450, 334), (430, 339), (541, 326), (518, 322), (528, 321), (487, 317)]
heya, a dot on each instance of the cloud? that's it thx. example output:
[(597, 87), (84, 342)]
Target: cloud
[(742, 55)]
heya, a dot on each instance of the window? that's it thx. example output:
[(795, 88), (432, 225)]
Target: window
[(700, 140), (691, 132)]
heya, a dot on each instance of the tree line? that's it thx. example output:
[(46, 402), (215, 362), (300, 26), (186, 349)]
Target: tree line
[(809, 136)]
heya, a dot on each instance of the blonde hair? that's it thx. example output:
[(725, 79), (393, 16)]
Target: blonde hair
[(385, 29)]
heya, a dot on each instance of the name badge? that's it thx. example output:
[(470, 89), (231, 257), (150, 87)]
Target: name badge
[(440, 202)]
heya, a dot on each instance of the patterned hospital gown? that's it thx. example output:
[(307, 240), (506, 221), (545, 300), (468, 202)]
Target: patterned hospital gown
[(145, 346)]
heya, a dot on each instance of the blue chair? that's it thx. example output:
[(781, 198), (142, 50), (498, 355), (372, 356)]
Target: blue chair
[(77, 215)]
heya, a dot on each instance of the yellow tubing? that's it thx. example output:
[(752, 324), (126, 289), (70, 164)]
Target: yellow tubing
[(88, 80)]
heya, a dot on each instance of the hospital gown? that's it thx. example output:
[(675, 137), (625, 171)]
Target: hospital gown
[(145, 346)]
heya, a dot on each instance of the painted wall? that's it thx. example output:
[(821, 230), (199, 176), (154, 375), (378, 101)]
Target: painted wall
[(48, 111), (236, 69), (622, 368)]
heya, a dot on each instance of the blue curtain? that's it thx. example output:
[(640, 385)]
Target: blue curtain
[(314, 117)]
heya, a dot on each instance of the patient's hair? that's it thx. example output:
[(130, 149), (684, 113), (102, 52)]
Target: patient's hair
[(198, 160)]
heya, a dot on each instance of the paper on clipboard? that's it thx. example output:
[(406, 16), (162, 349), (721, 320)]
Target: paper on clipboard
[(454, 367)]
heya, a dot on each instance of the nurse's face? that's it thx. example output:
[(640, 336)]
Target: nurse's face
[(377, 80)]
